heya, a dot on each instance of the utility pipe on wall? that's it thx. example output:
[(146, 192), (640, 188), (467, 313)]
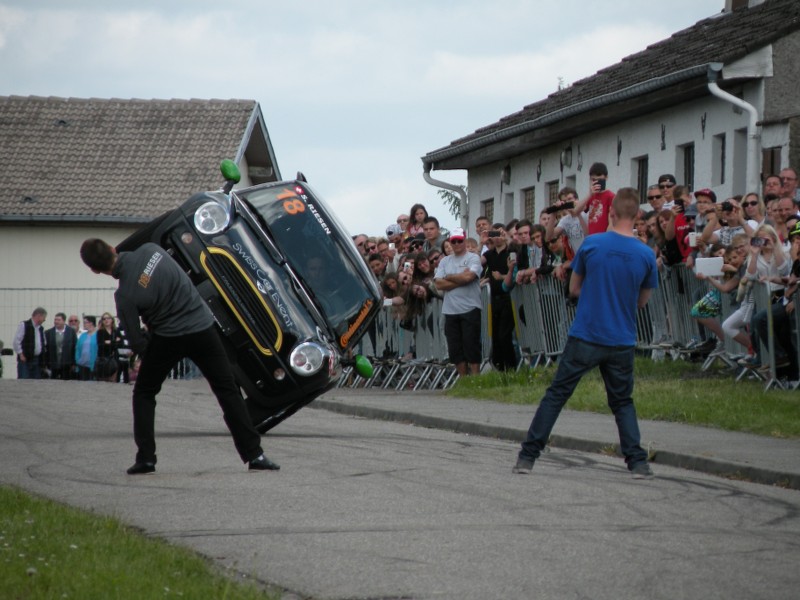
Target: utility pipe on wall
[(753, 177)]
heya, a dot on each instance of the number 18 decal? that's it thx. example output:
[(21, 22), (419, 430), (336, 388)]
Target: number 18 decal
[(292, 204)]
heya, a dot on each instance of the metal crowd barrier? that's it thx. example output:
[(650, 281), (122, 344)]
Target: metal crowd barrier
[(418, 359)]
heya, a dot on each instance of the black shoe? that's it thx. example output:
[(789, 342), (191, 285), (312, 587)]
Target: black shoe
[(523, 467), (140, 468), (262, 463)]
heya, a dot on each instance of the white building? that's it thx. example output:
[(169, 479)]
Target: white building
[(717, 105)]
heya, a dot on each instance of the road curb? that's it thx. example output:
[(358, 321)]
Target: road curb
[(727, 469)]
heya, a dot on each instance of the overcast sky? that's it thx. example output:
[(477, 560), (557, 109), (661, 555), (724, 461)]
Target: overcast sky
[(353, 92)]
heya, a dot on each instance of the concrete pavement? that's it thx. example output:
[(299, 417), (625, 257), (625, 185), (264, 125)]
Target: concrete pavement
[(729, 454), (368, 508)]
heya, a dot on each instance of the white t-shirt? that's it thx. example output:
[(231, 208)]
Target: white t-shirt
[(572, 226), (464, 298)]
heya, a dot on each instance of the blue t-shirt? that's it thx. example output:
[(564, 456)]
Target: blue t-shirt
[(614, 268)]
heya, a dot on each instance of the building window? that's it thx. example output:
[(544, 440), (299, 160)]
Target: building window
[(686, 165), (487, 209), (641, 167), (529, 204), (552, 192), (718, 151), (770, 162)]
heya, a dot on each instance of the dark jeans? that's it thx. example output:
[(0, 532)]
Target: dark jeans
[(616, 368), (206, 350), (504, 357), (782, 329), (30, 369)]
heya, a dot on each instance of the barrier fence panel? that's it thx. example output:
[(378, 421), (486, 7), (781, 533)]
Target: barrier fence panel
[(418, 358)]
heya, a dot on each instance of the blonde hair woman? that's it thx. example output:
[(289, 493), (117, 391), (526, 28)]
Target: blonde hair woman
[(766, 261)]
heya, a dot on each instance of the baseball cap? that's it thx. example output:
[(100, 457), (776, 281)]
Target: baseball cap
[(457, 234), (795, 231), (393, 229), (667, 178), (706, 192)]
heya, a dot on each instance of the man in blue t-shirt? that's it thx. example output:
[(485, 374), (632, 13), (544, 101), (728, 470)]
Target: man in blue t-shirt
[(614, 274)]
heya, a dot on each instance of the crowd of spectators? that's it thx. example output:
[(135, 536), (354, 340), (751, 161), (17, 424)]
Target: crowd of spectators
[(91, 352), (756, 236)]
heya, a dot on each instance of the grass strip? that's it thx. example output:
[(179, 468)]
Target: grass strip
[(675, 391), (48, 550)]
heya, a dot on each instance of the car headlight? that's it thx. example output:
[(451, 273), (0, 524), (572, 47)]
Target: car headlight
[(308, 358), (211, 218)]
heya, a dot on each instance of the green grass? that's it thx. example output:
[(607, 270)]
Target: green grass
[(51, 551), (674, 391)]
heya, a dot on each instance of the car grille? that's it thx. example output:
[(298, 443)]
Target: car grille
[(244, 299)]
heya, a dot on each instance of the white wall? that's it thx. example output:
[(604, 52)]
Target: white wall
[(683, 124), (41, 266)]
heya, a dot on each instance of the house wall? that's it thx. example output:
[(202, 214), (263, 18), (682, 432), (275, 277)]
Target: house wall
[(41, 266), (660, 136)]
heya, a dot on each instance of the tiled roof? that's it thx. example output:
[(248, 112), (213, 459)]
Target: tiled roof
[(723, 38), (109, 160)]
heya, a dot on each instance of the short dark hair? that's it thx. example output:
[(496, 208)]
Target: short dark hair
[(91, 318), (97, 255), (567, 190), (431, 220), (598, 168), (62, 315), (524, 223)]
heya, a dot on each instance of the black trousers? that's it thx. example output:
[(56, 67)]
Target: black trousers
[(205, 349), (504, 357)]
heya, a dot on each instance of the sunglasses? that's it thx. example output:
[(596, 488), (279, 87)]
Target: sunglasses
[(666, 185), (435, 258), (456, 241), (655, 197), (551, 242), (752, 203), (371, 248)]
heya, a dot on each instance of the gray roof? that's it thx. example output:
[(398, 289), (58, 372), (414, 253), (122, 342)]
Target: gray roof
[(679, 59), (116, 160)]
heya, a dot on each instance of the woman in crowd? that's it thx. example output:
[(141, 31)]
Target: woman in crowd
[(417, 215), (767, 261), (109, 340), (754, 210), (86, 349), (669, 251), (423, 275)]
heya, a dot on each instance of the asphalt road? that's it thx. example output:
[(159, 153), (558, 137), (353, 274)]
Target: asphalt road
[(375, 509)]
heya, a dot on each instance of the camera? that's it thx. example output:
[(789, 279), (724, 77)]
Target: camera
[(758, 242), (512, 256), (601, 183), (407, 266), (494, 234), (726, 206), (558, 208), (391, 245)]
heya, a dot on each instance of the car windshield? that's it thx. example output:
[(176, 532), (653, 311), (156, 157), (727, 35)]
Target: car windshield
[(303, 229)]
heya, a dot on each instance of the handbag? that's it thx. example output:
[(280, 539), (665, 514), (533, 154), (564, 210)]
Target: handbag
[(106, 366)]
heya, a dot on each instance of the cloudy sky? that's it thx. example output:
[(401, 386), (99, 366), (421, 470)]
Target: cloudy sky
[(354, 92)]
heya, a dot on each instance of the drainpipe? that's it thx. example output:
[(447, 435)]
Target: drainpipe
[(426, 175), (753, 136)]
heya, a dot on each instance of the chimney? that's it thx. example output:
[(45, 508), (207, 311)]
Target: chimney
[(731, 5)]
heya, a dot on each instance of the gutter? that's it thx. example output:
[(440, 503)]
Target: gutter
[(458, 190), (753, 136)]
